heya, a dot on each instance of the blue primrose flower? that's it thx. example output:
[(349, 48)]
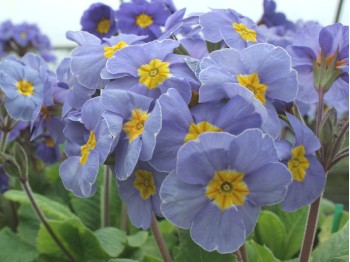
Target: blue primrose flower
[(99, 20), (180, 124), (151, 69), (89, 142), (141, 194), (219, 185), (24, 89), (262, 69), (137, 120), (309, 177)]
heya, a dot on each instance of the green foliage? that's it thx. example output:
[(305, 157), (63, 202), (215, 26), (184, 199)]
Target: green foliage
[(113, 240), (138, 239), (51, 209), (191, 252), (258, 253), (13, 249), (335, 249), (29, 224)]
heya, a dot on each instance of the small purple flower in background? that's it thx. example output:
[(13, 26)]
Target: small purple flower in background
[(272, 18), (99, 20), (89, 59), (47, 150), (169, 5), (151, 69), (236, 30), (220, 183), (141, 194), (24, 89), (313, 44), (262, 69), (88, 144), (309, 178), (142, 18), (4, 180), (180, 124), (137, 120)]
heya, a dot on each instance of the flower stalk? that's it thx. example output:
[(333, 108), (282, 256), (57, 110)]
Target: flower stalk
[(106, 191), (160, 240)]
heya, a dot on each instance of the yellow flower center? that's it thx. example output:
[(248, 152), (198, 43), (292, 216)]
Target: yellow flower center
[(227, 189), (194, 99), (196, 129), (298, 164), (103, 26), (244, 32), (23, 35), (154, 73), (25, 88), (110, 50), (144, 20), (85, 149), (144, 183), (134, 127), (50, 142), (252, 82)]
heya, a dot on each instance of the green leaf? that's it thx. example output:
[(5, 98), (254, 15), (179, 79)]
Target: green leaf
[(258, 253), (295, 223), (138, 239), (112, 240), (326, 226), (191, 252), (28, 224), (12, 249), (77, 239), (336, 248), (122, 260), (271, 232), (166, 227), (50, 208)]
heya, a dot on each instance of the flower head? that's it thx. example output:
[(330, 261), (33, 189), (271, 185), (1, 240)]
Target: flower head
[(219, 185), (309, 177)]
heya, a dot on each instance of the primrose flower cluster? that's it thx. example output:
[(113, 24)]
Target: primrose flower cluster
[(23, 38), (188, 112)]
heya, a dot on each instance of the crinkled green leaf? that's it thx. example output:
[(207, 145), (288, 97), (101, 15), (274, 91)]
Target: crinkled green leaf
[(50, 208), (336, 248), (112, 240), (258, 253), (13, 249), (138, 239)]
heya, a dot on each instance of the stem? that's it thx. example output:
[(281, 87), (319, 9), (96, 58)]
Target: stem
[(243, 251), (43, 219), (105, 209), (337, 16), (310, 231), (339, 157), (124, 217), (160, 241), (14, 214), (3, 141), (339, 140), (238, 256), (319, 112)]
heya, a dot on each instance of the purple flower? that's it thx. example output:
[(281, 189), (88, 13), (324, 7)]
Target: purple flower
[(220, 183), (4, 180), (47, 150), (142, 18), (89, 59), (89, 143), (151, 69), (141, 194), (236, 30), (310, 46), (180, 124), (262, 69), (309, 178), (137, 120), (99, 20), (272, 18), (24, 89)]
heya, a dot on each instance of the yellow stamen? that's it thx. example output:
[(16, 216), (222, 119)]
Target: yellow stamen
[(144, 183), (25, 88), (298, 164), (329, 60), (23, 35), (50, 142), (196, 129), (134, 127), (143, 20), (154, 73), (85, 149), (109, 51), (227, 189), (103, 26), (245, 33), (252, 82)]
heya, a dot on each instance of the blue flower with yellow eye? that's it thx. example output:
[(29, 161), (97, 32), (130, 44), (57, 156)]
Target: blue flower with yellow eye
[(24, 89), (309, 177), (89, 142), (99, 20), (141, 194), (219, 185), (142, 18), (137, 119)]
